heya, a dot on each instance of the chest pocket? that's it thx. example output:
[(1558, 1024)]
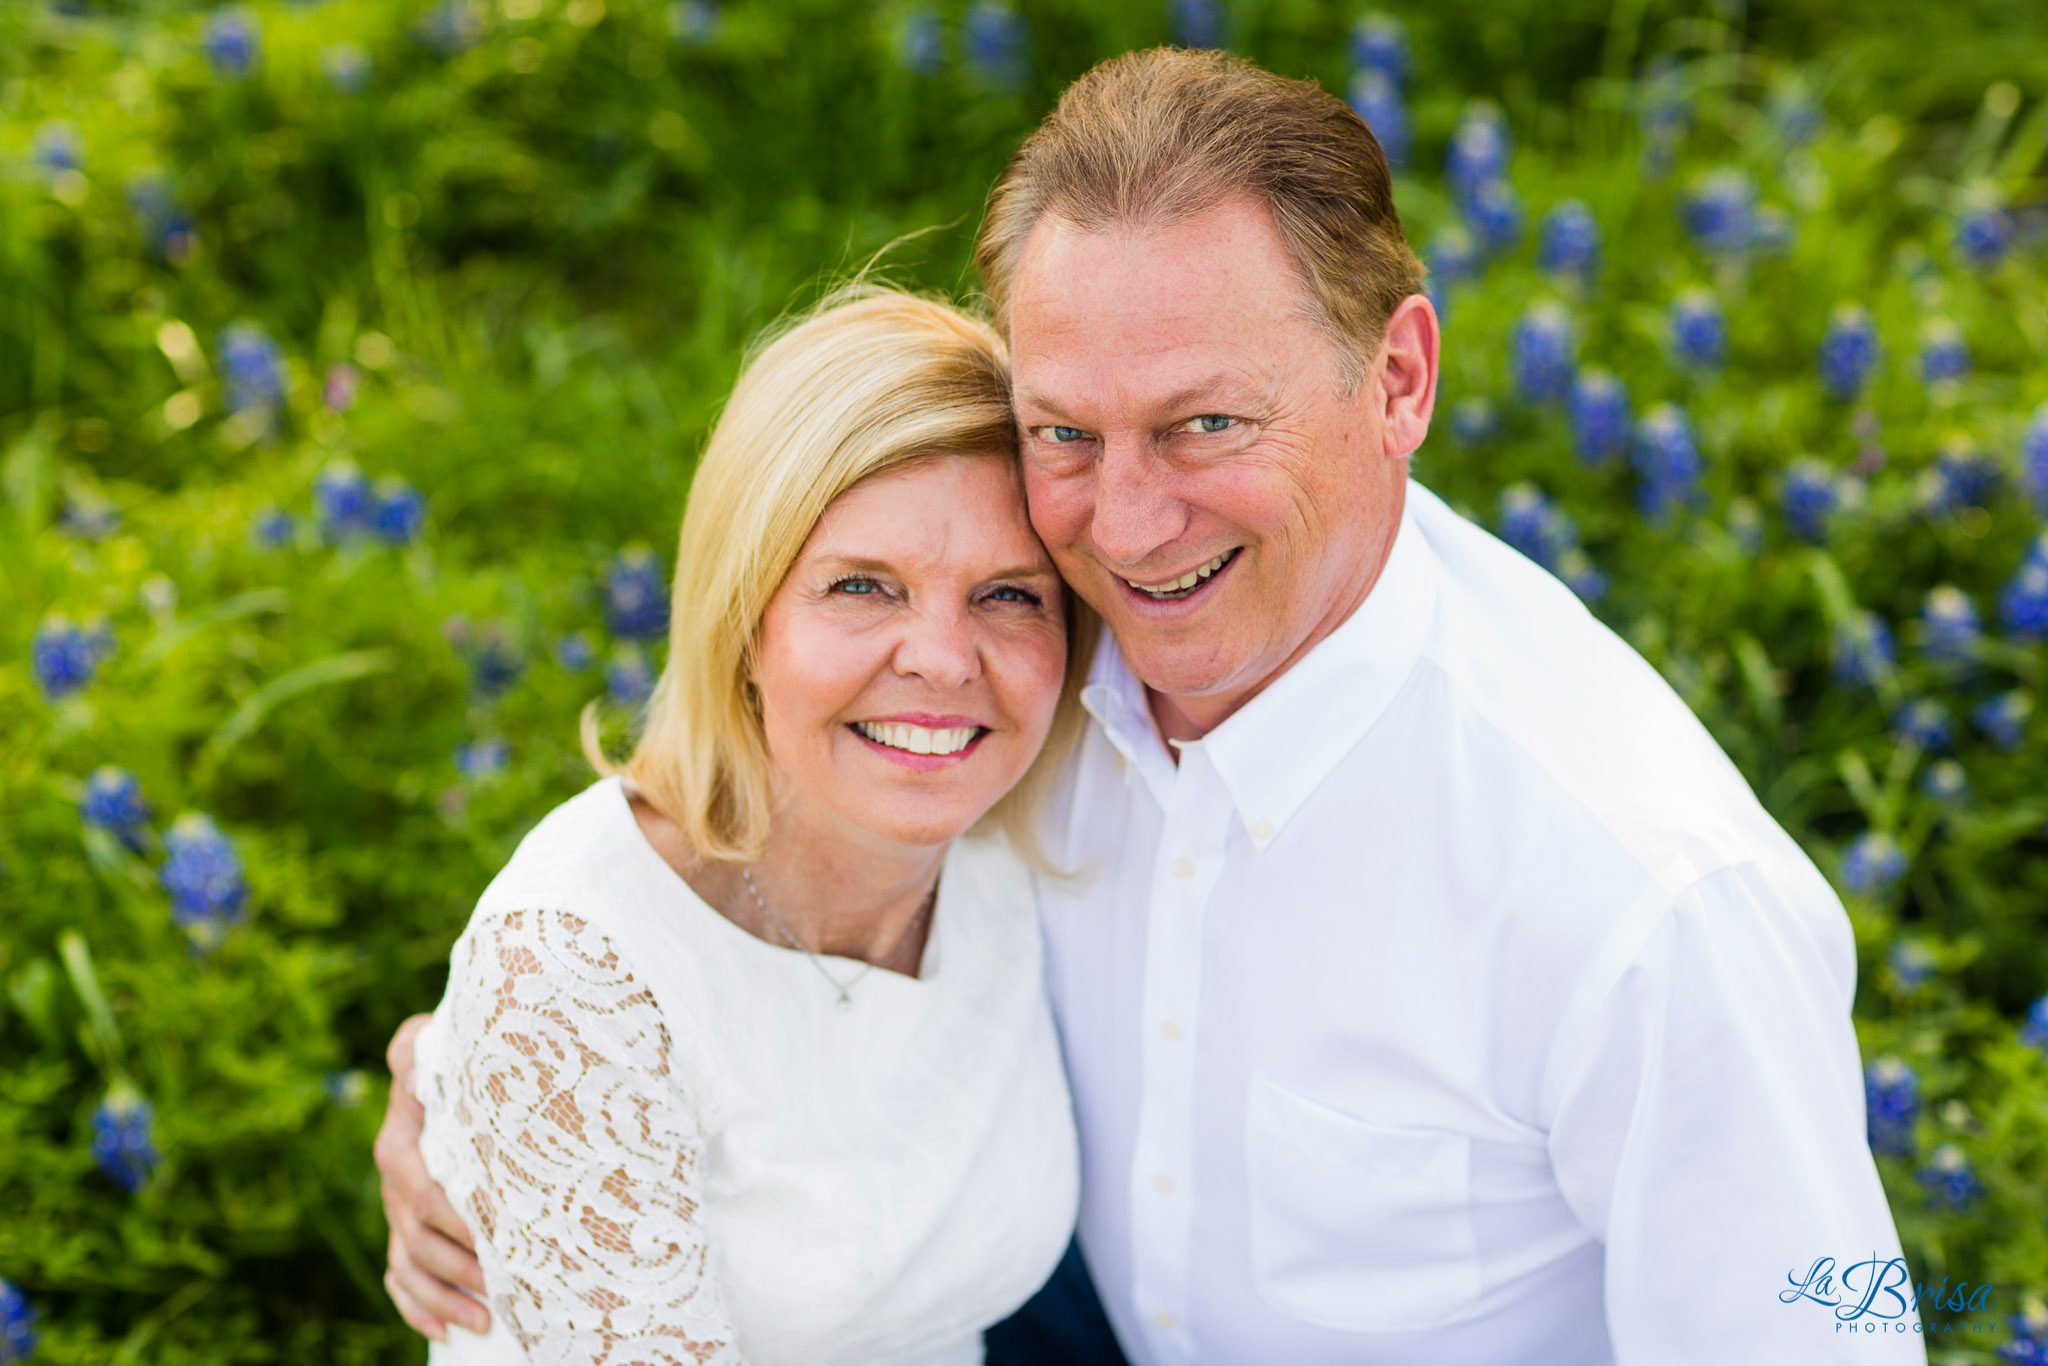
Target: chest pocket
[(1356, 1227)]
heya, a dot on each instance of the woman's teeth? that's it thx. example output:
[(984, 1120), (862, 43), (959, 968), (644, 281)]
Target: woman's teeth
[(1185, 581), (918, 739)]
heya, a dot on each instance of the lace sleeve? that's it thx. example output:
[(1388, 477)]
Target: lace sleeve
[(576, 1149)]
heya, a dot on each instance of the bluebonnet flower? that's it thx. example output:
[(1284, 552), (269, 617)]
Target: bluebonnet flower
[(1541, 354), (2002, 719), (347, 67), (1809, 495), (629, 678), (1912, 963), (1379, 43), (921, 43), (1795, 116), (2022, 1351), (1984, 236), (1569, 243), (2034, 1033), (123, 1142), (1848, 353), (997, 43), (399, 512), (1474, 421), (1451, 257), (203, 874), (89, 517), (1479, 150), (344, 502), (495, 665), (1534, 525), (1772, 231), (2034, 459), (1872, 864), (449, 29), (574, 652), (56, 148), (693, 23), (1196, 23), (1923, 722), (1493, 211), (1720, 213), (1577, 570), (252, 368), (1949, 627), (481, 759), (113, 801), (168, 228), (1961, 477), (232, 43), (17, 1325), (2023, 602), (1891, 1091), (1946, 782), (1949, 1182), (1863, 650), (1600, 416), (275, 527), (64, 656), (1699, 330), (347, 1089), (1377, 100), (1666, 460), (636, 594), (1664, 111), (1944, 354)]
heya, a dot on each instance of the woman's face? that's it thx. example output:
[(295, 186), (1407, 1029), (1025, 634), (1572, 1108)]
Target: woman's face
[(910, 662)]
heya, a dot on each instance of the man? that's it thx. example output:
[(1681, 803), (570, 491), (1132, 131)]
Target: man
[(1438, 993)]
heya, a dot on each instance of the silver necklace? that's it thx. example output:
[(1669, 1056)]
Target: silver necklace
[(845, 1001)]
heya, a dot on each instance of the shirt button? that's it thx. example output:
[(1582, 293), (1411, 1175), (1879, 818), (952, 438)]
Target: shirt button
[(1183, 868), (1262, 830), (1169, 1031), (1163, 1319), (1163, 1184)]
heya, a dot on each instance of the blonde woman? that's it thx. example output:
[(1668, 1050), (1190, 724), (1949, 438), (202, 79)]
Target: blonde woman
[(744, 1055)]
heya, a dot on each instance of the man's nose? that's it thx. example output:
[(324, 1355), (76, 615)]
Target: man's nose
[(1136, 510), (940, 647)]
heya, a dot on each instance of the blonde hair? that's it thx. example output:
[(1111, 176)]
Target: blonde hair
[(871, 379), (1154, 137)]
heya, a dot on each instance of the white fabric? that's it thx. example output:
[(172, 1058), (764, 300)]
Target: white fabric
[(1455, 1003), (672, 1145)]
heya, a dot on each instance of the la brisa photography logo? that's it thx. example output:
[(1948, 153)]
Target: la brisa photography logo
[(1877, 1295)]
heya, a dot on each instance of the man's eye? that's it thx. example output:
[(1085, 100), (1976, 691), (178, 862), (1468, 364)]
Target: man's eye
[(1061, 436), (1210, 422)]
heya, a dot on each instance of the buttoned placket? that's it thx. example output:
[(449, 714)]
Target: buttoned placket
[(1188, 863)]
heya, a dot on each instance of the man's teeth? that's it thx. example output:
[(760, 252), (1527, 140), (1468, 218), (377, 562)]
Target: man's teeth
[(917, 739), (1184, 582)]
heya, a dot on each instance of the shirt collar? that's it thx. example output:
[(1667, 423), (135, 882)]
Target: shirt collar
[(1277, 748)]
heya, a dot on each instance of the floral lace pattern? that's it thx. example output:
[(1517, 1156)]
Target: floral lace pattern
[(577, 1149)]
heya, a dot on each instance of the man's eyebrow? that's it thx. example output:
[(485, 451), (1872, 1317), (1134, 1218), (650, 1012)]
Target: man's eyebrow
[(1223, 388)]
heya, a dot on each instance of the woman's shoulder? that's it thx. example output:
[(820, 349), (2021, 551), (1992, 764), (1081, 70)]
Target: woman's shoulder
[(571, 860)]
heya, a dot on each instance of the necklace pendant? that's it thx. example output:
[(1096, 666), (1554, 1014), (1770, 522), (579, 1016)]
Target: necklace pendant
[(845, 1002)]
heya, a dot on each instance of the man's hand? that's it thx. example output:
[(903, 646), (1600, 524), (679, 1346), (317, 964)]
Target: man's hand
[(431, 1251)]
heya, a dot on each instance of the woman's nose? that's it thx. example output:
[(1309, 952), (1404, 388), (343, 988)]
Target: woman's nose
[(939, 647)]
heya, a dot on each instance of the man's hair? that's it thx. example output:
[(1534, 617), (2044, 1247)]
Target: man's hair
[(1155, 137)]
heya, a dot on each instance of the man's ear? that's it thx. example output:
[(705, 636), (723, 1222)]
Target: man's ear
[(1407, 375)]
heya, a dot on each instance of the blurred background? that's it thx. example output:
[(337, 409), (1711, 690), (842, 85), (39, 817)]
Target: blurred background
[(354, 355)]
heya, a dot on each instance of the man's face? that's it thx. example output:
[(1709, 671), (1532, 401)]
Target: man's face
[(1191, 459)]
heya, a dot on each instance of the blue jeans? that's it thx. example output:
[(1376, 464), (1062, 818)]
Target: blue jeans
[(1062, 1325)]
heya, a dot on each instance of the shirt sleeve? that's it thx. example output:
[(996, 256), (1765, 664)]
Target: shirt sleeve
[(1710, 1130), (574, 1149)]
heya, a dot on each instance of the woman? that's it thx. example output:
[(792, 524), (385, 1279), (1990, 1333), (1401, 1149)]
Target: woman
[(744, 1055)]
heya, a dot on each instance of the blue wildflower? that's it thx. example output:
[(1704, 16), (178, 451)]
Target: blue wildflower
[(1664, 112), (629, 678), (1795, 116), (274, 527), (1949, 628), (64, 656), (203, 874), (574, 652), (1891, 1091), (1923, 722), (1377, 100), (399, 513), (165, 224), (1541, 354), (1946, 782), (1534, 525), (252, 368), (1379, 43), (1984, 236), (1949, 1182), (2002, 719), (1961, 477), (1720, 213), (997, 42), (347, 67), (113, 801), (1451, 257), (693, 23), (1699, 330), (2022, 1351), (1912, 963), (56, 148), (1196, 23), (921, 42), (344, 502), (1479, 150), (1577, 570), (1474, 421), (449, 29), (495, 666), (1944, 354), (232, 43), (1848, 353), (482, 759), (1600, 416), (2034, 459), (1666, 460), (89, 517), (2023, 602), (1863, 650), (17, 1325), (1872, 864), (636, 594), (1809, 495), (1493, 211), (1569, 242), (2034, 1033), (123, 1143)]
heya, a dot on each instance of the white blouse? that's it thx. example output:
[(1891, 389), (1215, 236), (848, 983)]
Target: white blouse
[(672, 1145)]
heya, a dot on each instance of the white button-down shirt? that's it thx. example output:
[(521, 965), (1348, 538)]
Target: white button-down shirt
[(1455, 1002)]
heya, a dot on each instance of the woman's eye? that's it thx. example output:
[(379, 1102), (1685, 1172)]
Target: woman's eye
[(1210, 422), (1012, 593), (856, 588)]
